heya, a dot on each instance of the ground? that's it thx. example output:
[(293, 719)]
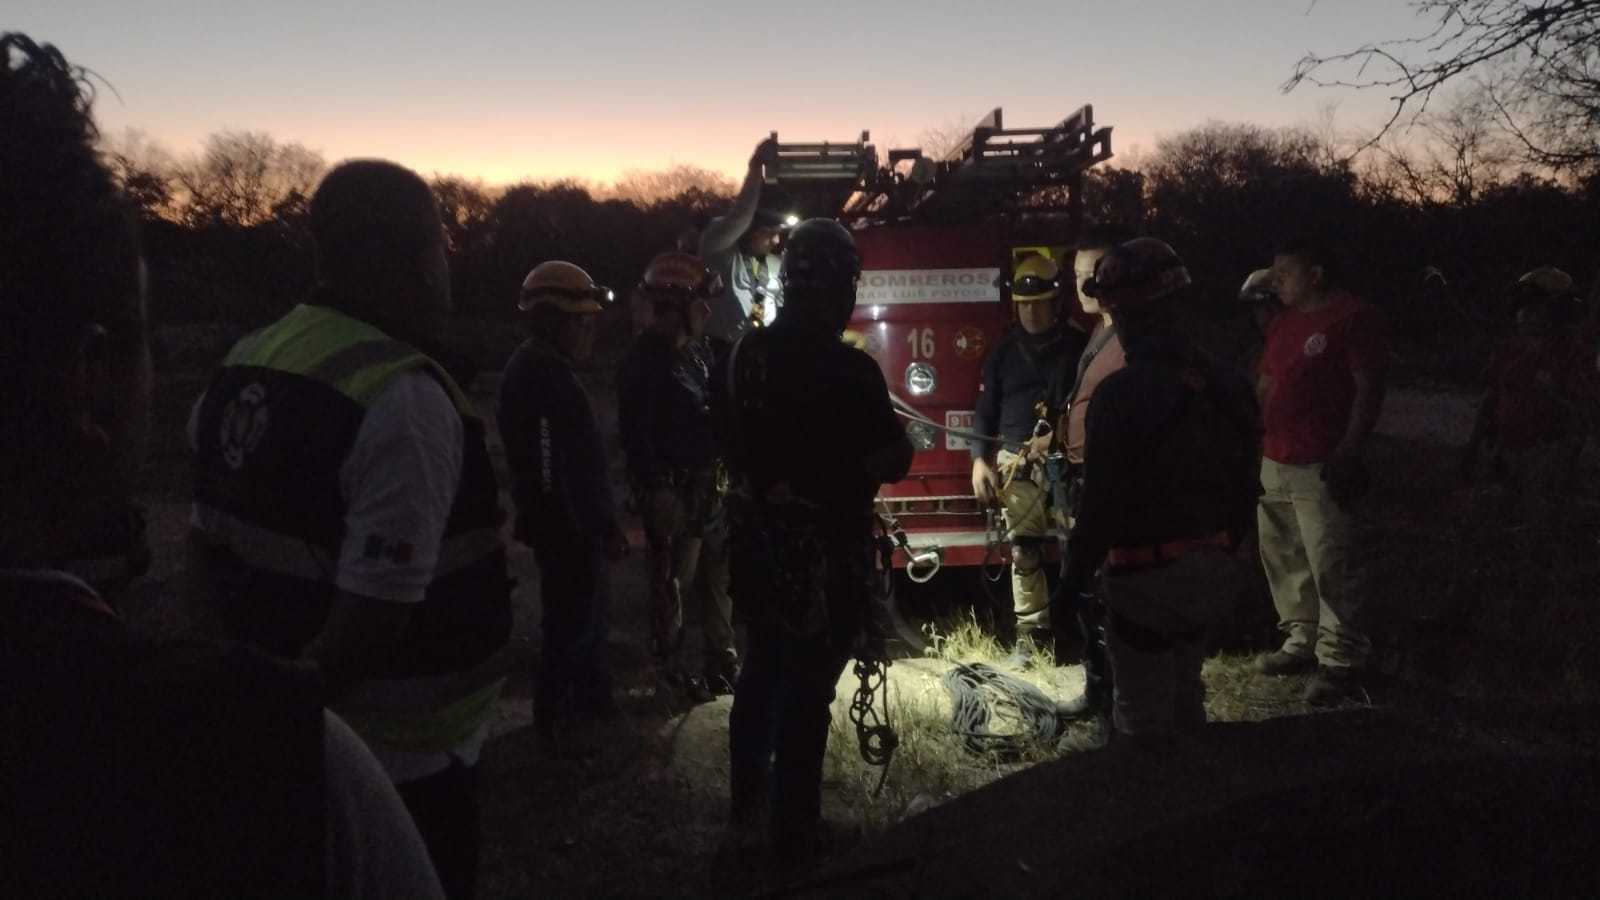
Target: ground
[(637, 807)]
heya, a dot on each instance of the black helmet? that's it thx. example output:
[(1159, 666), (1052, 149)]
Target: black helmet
[(1132, 276), (820, 268), (820, 254)]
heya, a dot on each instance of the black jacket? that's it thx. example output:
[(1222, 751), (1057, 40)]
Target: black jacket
[(554, 451), (663, 408), (804, 408), (1171, 453), (1023, 370)]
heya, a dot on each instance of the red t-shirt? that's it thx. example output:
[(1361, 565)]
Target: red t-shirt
[(1311, 358), (1532, 390)]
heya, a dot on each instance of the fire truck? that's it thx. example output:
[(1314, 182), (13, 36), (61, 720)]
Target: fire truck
[(939, 238)]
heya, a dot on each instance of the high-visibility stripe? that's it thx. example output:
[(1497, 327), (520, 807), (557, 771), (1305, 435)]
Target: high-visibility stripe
[(423, 732), (348, 361), (262, 548), (427, 693), (345, 353)]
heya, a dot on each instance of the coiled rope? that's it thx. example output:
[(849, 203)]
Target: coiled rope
[(982, 695)]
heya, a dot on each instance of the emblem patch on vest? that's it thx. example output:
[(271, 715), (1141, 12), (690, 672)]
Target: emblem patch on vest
[(244, 424), (1316, 344)]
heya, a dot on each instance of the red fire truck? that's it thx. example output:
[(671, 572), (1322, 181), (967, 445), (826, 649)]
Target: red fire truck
[(938, 241)]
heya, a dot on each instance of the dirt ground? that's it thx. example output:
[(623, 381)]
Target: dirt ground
[(636, 808)]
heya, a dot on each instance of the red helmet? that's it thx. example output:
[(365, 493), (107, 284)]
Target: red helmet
[(676, 275), (1136, 274)]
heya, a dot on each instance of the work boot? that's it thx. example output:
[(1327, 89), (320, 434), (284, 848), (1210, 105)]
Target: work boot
[(721, 676), (1021, 657), (1280, 663), (1025, 652), (1331, 687), (1082, 706), (694, 689), (1094, 734)]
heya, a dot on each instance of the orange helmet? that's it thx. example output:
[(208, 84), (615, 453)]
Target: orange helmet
[(676, 275)]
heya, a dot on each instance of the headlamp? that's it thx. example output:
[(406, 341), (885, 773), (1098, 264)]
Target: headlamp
[(1030, 287)]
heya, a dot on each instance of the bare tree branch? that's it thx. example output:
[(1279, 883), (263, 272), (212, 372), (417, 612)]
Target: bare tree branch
[(1547, 51)]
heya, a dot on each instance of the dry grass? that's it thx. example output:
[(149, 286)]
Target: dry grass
[(930, 765)]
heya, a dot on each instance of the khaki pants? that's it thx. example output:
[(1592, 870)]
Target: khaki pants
[(1156, 639), (1026, 525), (1308, 551)]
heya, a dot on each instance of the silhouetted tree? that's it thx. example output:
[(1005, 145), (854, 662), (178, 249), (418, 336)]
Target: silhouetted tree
[(245, 178), (1537, 58), (648, 189), (144, 170)]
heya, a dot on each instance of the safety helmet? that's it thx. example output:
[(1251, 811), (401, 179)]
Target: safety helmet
[(819, 272), (679, 276), (1036, 278), (820, 256), (563, 286), (1551, 287), (1257, 288), (1136, 274), (1548, 279)]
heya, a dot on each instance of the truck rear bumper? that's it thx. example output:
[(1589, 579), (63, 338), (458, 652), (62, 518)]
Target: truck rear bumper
[(965, 548)]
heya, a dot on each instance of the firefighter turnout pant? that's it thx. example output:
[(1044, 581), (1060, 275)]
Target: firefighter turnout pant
[(687, 533), (1023, 499), (1158, 620), (1309, 554)]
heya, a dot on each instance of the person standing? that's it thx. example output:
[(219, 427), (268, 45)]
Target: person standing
[(741, 248), (1024, 382), (346, 511), (565, 510), (1321, 386), (663, 392), (801, 519), (1169, 489), (134, 765), (1102, 356), (1536, 413)]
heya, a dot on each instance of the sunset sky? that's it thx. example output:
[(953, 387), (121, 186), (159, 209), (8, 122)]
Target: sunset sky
[(508, 90)]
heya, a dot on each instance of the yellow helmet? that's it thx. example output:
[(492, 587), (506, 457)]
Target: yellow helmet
[(1036, 278), (563, 286)]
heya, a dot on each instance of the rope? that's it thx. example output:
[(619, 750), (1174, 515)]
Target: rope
[(980, 693), (875, 736), (907, 411)]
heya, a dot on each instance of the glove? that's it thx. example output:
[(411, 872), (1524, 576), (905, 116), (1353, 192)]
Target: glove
[(1346, 479)]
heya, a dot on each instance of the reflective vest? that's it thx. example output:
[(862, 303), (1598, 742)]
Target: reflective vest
[(274, 429)]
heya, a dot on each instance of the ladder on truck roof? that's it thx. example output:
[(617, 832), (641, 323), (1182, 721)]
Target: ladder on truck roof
[(995, 169)]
